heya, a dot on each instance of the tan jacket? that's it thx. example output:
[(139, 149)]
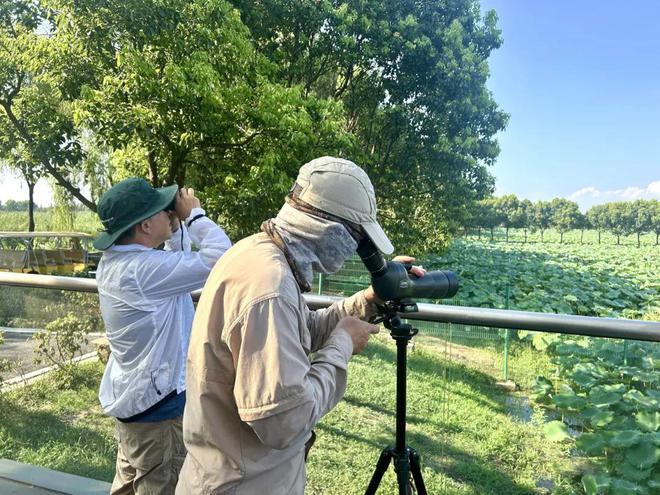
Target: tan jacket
[(253, 392)]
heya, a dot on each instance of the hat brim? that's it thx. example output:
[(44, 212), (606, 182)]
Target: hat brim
[(378, 237), (164, 196)]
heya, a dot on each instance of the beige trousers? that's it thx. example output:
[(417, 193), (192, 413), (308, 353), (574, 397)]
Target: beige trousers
[(149, 457)]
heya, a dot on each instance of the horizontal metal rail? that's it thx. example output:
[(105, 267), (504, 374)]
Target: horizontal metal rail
[(484, 317)]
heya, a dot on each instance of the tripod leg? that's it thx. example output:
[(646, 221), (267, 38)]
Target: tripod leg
[(402, 468), (381, 467), (416, 471)]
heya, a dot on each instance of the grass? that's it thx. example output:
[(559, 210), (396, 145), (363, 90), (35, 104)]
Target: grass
[(64, 430), (458, 420)]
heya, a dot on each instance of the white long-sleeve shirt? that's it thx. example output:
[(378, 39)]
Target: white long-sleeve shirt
[(146, 306)]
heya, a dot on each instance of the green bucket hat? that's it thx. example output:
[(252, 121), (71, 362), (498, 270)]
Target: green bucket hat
[(127, 203)]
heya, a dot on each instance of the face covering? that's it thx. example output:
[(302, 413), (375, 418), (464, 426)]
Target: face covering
[(314, 244)]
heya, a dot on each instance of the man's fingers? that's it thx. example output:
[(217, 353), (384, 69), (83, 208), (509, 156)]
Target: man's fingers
[(375, 329), (191, 191)]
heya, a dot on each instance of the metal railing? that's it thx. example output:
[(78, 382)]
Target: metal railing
[(497, 318)]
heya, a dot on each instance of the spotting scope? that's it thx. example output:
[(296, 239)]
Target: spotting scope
[(392, 281)]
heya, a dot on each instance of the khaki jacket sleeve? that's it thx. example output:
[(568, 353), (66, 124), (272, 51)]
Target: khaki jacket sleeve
[(278, 391), (321, 323)]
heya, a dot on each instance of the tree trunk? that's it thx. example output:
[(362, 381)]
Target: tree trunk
[(541, 236), (598, 236), (525, 230), (582, 236), (507, 234), (153, 169), (561, 237), (638, 243), (617, 239), (478, 233), (657, 234), (491, 233), (30, 206)]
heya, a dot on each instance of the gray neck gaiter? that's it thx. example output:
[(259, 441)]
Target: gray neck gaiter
[(315, 244)]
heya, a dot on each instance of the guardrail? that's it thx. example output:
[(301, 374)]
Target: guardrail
[(497, 318)]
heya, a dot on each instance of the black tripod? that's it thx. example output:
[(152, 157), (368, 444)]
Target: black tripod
[(405, 459)]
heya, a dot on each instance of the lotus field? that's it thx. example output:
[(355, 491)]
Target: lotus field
[(605, 395), (591, 280)]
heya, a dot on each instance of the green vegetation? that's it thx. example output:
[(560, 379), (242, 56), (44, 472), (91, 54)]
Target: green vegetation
[(232, 97), (83, 221), (577, 279), (457, 419), (620, 219), (610, 396), (59, 429)]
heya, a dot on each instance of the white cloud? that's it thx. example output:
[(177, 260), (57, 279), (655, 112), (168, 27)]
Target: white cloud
[(585, 192), (654, 188), (589, 196)]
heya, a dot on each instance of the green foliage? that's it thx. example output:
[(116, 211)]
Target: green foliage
[(622, 218), (41, 71), (83, 221), (411, 79), (5, 364), (232, 99), (572, 279), (610, 393), (60, 343)]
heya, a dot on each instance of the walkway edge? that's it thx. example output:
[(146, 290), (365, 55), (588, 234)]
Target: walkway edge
[(48, 479)]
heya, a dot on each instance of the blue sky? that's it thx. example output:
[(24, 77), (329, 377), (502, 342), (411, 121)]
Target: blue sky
[(581, 81)]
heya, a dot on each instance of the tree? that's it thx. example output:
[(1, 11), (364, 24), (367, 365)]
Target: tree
[(21, 161), (190, 100), (655, 218), (542, 216), (597, 218), (565, 216), (411, 79), (527, 215), (642, 218), (619, 219), (490, 217), (41, 74), (510, 212)]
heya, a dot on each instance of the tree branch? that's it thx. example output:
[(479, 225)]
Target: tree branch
[(61, 180)]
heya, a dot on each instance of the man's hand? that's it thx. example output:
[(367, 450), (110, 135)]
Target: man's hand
[(185, 202), (416, 270), (358, 330)]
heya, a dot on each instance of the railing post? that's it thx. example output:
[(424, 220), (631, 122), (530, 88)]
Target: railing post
[(506, 338)]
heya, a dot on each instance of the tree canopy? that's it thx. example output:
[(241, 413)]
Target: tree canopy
[(231, 98)]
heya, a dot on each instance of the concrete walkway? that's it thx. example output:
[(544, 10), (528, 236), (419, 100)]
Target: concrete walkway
[(24, 479)]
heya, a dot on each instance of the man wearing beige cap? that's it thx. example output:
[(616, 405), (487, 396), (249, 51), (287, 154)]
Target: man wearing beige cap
[(254, 393)]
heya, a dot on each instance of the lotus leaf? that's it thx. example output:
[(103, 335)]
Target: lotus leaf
[(643, 455), (626, 438), (595, 483), (591, 443), (556, 431), (648, 421)]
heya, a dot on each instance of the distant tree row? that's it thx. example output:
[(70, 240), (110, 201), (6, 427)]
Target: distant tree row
[(620, 218), (13, 205)]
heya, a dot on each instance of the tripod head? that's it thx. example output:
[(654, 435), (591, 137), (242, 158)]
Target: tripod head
[(389, 316)]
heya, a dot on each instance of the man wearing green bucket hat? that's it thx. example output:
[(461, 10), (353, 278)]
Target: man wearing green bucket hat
[(144, 295)]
